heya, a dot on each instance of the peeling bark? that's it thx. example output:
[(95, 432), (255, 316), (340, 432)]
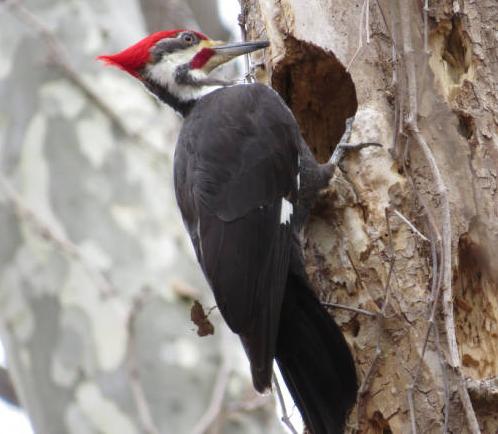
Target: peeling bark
[(437, 64)]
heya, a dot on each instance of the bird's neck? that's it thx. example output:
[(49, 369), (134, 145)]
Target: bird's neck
[(183, 105)]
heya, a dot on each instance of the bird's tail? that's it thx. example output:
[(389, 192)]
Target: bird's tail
[(315, 360)]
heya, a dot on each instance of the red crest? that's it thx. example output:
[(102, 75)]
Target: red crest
[(134, 58)]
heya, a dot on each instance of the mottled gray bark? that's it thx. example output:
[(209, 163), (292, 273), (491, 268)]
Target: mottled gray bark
[(96, 274)]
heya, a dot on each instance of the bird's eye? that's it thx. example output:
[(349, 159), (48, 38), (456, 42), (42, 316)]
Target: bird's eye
[(187, 37)]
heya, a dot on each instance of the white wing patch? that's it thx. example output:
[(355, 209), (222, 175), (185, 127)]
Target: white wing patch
[(298, 177), (285, 211)]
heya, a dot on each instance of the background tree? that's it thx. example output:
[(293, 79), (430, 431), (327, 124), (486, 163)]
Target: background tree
[(96, 274)]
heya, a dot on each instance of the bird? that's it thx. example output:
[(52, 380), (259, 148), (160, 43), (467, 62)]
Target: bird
[(245, 181)]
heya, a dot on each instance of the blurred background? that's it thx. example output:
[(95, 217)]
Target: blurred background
[(97, 277)]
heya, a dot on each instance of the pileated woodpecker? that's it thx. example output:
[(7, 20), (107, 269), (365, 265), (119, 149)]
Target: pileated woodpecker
[(245, 181)]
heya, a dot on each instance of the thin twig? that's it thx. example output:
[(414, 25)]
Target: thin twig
[(392, 259), (411, 406), (138, 392), (360, 37), (59, 57), (59, 241), (411, 225), (441, 189), (285, 415), (435, 291), (426, 26), (256, 402), (355, 269), (446, 386), (381, 316), (219, 390), (367, 22), (243, 32), (352, 309)]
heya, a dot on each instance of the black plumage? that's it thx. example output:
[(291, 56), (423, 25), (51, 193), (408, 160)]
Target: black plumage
[(245, 181)]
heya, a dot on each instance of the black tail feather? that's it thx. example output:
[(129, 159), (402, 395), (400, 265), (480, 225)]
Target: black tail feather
[(315, 360)]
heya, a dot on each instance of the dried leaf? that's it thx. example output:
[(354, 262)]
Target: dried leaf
[(200, 319)]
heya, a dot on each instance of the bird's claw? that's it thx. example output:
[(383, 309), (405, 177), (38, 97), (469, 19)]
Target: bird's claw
[(344, 146)]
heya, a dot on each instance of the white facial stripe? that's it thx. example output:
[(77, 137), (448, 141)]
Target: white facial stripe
[(285, 211), (163, 73)]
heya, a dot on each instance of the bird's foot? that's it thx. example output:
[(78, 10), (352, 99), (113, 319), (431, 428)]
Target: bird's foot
[(344, 146)]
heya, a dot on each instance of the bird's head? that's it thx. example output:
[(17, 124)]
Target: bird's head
[(175, 64)]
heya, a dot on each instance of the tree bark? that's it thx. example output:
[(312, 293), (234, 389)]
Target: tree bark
[(409, 232)]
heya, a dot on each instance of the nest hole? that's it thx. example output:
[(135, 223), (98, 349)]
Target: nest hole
[(474, 292), (319, 91), (466, 125), (457, 49)]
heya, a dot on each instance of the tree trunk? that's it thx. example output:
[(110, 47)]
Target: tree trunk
[(408, 232)]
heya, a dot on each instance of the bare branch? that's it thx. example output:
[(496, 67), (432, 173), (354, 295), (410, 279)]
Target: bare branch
[(352, 309), (411, 407), (367, 21), (59, 57), (360, 36), (355, 269), (381, 316), (285, 415), (255, 402), (248, 77), (219, 390), (446, 385), (445, 270), (411, 225), (59, 241), (137, 390), (426, 26)]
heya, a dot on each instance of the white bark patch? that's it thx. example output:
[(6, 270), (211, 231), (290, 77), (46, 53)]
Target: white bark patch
[(128, 218), (35, 173), (354, 228), (107, 317), (95, 138), (14, 307), (95, 254), (75, 420), (160, 251), (104, 414), (182, 352), (375, 174), (285, 211), (58, 97)]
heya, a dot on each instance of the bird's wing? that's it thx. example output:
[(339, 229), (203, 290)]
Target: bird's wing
[(235, 176)]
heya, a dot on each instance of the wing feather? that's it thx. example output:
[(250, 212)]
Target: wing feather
[(233, 170)]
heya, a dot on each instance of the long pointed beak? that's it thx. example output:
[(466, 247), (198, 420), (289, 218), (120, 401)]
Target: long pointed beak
[(239, 48)]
